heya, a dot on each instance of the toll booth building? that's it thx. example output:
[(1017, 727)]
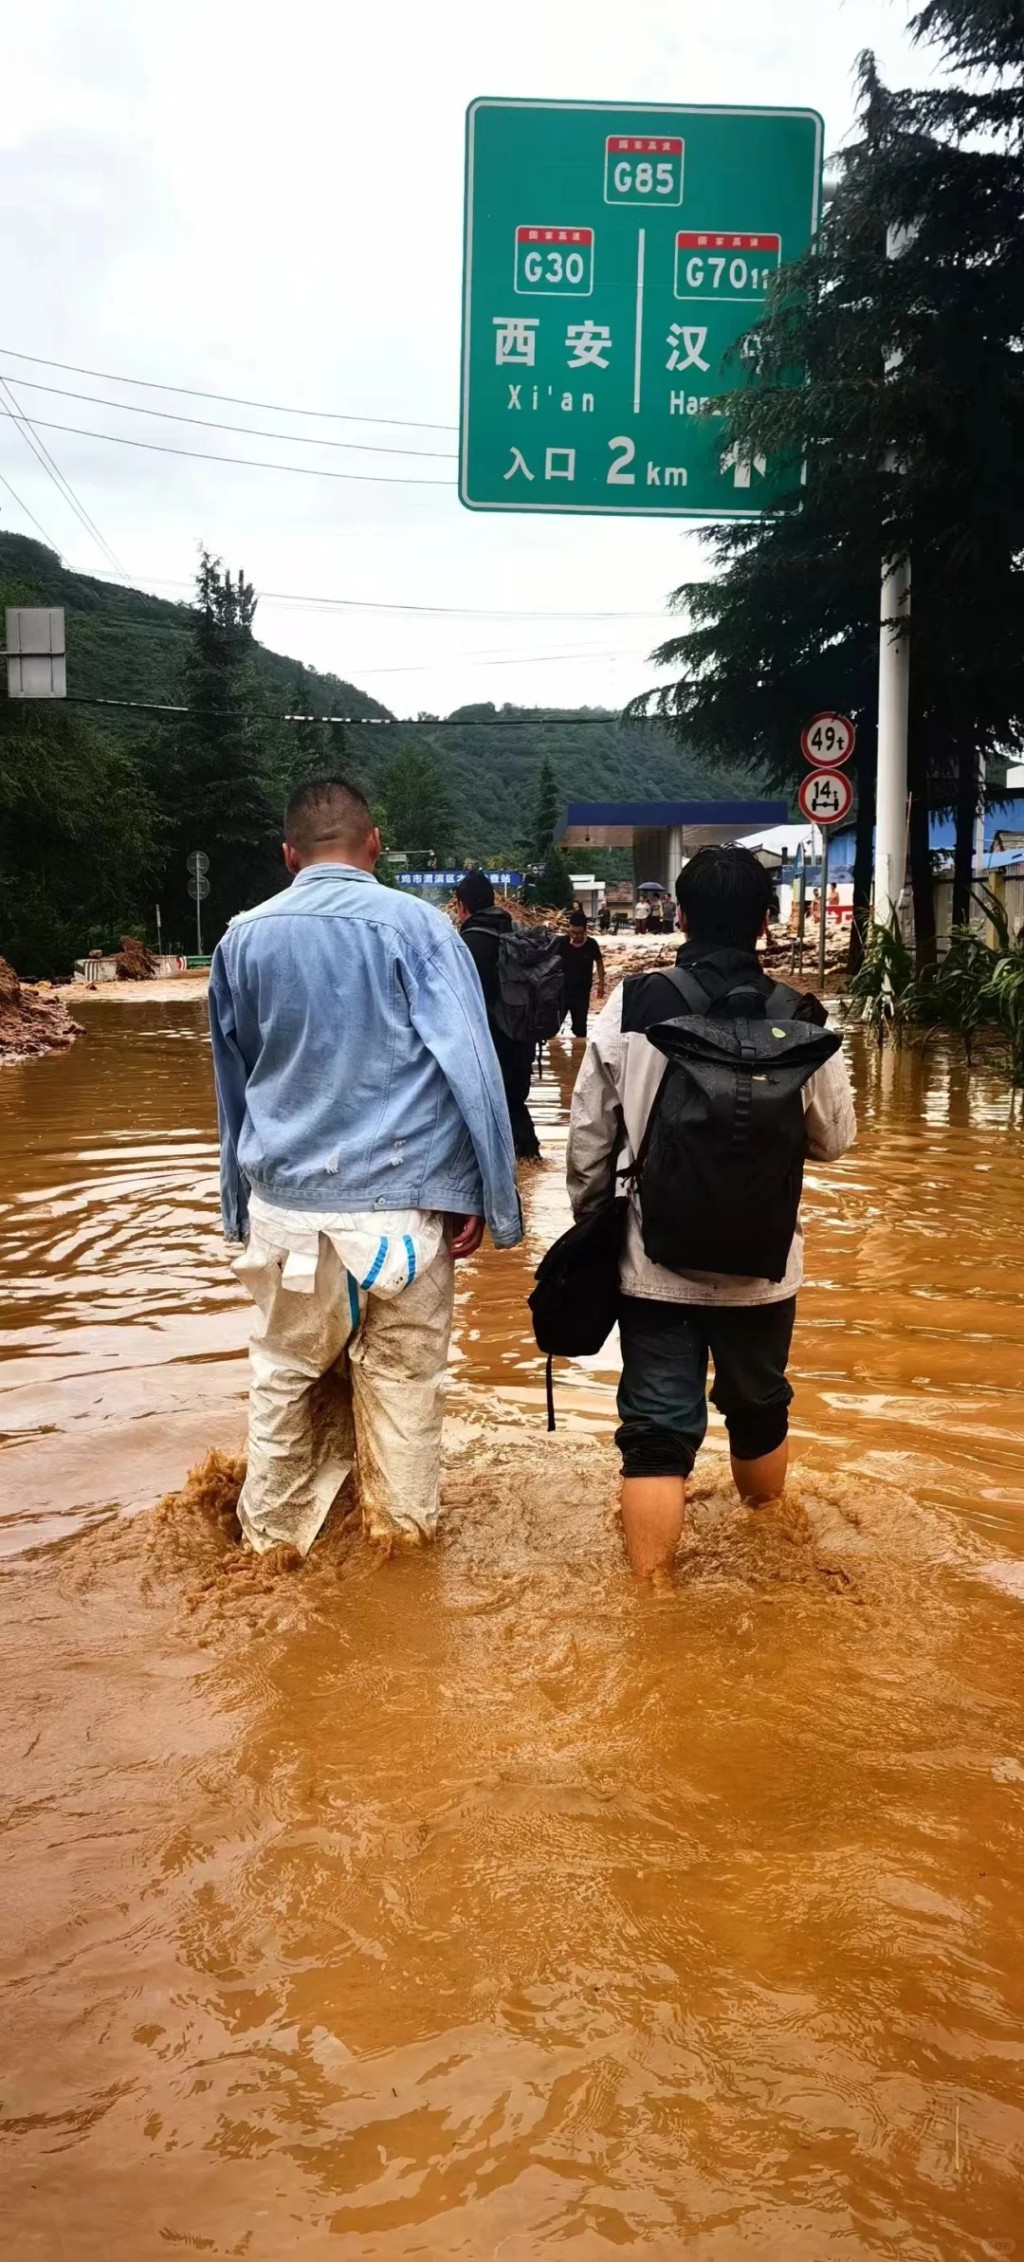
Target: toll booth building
[(663, 835)]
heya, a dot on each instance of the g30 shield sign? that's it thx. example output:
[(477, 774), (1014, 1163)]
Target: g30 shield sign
[(616, 254)]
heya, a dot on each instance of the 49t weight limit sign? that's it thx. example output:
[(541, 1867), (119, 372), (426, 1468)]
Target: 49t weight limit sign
[(615, 256)]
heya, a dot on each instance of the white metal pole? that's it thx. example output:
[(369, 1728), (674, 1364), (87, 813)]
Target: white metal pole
[(893, 719), (823, 922), (979, 826), (893, 699)]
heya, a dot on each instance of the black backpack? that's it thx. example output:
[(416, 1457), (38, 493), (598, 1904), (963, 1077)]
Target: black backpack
[(528, 1004), (720, 1169), (575, 1304)]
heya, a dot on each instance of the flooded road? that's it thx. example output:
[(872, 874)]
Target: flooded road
[(479, 1904)]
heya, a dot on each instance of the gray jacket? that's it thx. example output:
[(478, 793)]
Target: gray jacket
[(611, 1104)]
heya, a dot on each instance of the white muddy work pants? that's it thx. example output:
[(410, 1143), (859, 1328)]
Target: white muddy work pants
[(341, 1376)]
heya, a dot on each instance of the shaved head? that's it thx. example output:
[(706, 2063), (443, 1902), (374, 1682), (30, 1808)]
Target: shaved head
[(328, 819)]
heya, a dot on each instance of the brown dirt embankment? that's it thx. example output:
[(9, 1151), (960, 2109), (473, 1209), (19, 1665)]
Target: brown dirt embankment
[(32, 1021)]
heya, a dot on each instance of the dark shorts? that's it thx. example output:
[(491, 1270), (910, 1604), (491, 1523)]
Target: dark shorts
[(663, 1392)]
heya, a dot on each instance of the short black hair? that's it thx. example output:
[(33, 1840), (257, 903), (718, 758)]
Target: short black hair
[(329, 811), (725, 896), (474, 892), (577, 918)]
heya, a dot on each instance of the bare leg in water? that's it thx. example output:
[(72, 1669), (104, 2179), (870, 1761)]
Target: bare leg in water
[(653, 1508), (758, 1482), (652, 1521)]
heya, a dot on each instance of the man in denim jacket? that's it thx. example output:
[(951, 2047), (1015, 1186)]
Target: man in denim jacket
[(364, 1141)]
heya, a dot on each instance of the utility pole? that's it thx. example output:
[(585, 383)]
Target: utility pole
[(893, 732), (893, 700)]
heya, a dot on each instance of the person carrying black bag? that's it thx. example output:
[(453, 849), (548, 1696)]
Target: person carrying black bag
[(488, 935), (707, 1085)]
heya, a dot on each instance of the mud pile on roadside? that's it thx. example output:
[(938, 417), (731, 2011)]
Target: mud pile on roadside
[(32, 1021), (134, 962)]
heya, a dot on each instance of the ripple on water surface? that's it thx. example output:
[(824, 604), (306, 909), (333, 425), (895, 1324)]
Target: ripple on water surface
[(476, 1904)]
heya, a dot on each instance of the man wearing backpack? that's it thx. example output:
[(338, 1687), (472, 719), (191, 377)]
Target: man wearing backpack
[(490, 935), (713, 1083)]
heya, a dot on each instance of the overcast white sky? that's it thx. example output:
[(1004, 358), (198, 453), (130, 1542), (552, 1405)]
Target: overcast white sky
[(267, 201)]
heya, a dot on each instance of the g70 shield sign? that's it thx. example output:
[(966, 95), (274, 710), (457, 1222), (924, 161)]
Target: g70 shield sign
[(616, 255)]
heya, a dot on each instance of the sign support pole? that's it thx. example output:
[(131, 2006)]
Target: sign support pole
[(893, 693), (823, 920), (199, 926), (893, 714)]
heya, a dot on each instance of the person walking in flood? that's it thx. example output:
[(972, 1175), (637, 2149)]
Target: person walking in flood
[(482, 926), (364, 1139), (710, 1083), (581, 959)]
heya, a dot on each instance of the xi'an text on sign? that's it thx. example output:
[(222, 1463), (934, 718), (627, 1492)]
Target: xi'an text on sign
[(616, 257)]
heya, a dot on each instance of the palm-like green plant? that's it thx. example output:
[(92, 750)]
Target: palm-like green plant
[(883, 982), (978, 986)]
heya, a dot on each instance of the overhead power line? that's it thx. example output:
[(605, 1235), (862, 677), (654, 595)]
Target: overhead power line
[(251, 431), (248, 463), (28, 514), (592, 654), (64, 488), (233, 400), (447, 612), (353, 722)]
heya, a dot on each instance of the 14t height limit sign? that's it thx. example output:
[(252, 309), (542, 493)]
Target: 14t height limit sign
[(615, 256)]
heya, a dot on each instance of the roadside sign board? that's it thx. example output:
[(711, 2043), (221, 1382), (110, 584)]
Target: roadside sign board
[(615, 257), (826, 797), (36, 652), (828, 740)]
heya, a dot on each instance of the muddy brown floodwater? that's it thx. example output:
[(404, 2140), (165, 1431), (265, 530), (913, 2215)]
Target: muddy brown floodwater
[(478, 1904)]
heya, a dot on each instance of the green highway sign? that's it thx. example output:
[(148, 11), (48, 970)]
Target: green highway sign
[(615, 254)]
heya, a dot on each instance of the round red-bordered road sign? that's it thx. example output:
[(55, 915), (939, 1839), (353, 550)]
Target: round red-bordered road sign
[(828, 740), (826, 797)]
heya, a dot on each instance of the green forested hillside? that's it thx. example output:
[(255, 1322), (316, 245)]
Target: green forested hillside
[(493, 772), (123, 644), (100, 804)]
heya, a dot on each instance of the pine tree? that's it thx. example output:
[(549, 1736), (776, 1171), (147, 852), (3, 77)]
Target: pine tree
[(545, 815), (212, 768), (903, 440), (550, 885), (415, 807)]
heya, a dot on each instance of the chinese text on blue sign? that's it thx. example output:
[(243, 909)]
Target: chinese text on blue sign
[(451, 879), (615, 257)]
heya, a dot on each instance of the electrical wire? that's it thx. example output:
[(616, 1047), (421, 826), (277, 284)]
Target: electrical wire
[(386, 605), (251, 431), (232, 400), (353, 722), (591, 654), (249, 463), (47, 538), (64, 488)]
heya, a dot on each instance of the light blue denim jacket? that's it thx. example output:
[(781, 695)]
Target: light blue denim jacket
[(354, 1066)]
